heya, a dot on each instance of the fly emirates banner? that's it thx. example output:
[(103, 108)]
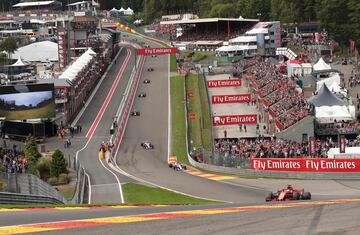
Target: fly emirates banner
[(306, 164)]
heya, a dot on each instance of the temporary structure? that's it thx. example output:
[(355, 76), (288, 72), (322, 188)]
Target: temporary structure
[(321, 65), (335, 77), (325, 98)]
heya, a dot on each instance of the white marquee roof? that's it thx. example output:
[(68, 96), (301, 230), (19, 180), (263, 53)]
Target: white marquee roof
[(335, 78), (38, 52), (29, 4), (73, 70), (236, 48), (321, 65)]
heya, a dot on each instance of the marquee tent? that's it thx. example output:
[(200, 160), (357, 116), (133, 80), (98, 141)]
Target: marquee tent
[(328, 114), (325, 98), (38, 52), (335, 77), (74, 69), (19, 63), (321, 65)]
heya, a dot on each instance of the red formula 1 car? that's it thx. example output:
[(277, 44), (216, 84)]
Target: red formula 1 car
[(288, 193)]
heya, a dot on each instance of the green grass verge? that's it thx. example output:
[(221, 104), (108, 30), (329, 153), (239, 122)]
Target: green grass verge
[(194, 107), (141, 194), (206, 118), (67, 192), (177, 90), (173, 64)]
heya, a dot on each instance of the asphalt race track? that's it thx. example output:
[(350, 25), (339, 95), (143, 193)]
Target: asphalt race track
[(323, 217), (246, 214), (104, 185)]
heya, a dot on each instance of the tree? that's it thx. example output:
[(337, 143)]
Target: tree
[(31, 150), (9, 45), (58, 164)]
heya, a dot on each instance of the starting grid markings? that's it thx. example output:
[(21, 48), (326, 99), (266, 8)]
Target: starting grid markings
[(52, 226), (209, 176)]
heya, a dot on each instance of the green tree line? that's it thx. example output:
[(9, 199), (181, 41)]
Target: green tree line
[(340, 17)]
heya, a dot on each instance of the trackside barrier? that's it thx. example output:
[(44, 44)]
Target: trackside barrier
[(16, 198), (124, 114), (273, 174), (27, 184)]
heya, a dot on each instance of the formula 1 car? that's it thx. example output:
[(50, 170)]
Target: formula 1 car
[(150, 69), (142, 95), (177, 166), (153, 55), (288, 193), (147, 145), (135, 113), (146, 81)]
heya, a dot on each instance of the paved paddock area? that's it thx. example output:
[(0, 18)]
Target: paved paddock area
[(233, 131)]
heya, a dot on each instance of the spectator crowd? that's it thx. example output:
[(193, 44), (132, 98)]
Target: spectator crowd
[(354, 78), (274, 148), (13, 161), (279, 93)]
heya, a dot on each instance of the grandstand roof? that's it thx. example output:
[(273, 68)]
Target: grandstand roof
[(33, 4), (207, 20)]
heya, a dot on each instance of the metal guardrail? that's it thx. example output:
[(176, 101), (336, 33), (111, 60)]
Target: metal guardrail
[(17, 198), (28, 184)]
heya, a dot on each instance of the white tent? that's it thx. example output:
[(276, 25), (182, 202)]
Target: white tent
[(19, 63), (114, 9), (350, 152), (73, 70), (38, 52), (335, 88), (128, 12), (335, 78), (321, 65), (328, 114), (235, 48)]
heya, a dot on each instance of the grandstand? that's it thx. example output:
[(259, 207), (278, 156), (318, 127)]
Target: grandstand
[(202, 33)]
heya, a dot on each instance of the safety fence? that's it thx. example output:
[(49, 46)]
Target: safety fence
[(82, 185)]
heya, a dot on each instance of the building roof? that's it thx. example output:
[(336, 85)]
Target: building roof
[(78, 3), (38, 52), (207, 20), (74, 69), (34, 4)]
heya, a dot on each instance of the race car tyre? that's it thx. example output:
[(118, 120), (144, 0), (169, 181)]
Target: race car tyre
[(296, 196), (306, 196), (269, 197)]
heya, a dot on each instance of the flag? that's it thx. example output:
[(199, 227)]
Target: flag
[(352, 45)]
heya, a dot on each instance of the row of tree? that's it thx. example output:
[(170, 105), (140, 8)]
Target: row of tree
[(51, 169)]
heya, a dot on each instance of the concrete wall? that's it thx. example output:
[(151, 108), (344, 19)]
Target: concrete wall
[(295, 132)]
